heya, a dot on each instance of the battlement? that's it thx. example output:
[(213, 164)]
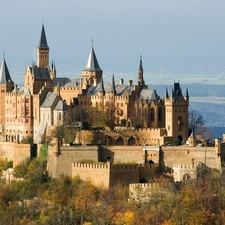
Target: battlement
[(144, 185), (68, 88), (112, 167), (184, 166), (92, 165)]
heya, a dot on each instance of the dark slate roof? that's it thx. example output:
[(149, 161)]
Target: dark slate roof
[(92, 63), (27, 92), (4, 73), (177, 92), (49, 99), (43, 41), (40, 73), (120, 89), (140, 65), (61, 106), (149, 94), (67, 82), (111, 87), (20, 89)]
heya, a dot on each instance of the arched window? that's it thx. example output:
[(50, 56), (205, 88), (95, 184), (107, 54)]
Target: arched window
[(160, 115), (131, 141), (109, 141), (120, 141), (152, 114)]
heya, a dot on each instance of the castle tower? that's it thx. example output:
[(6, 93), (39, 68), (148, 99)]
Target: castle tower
[(192, 140), (43, 50), (6, 85), (53, 71), (176, 114), (92, 70), (141, 81)]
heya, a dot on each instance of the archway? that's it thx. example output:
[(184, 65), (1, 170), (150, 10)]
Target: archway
[(131, 141), (108, 141), (180, 138), (120, 141)]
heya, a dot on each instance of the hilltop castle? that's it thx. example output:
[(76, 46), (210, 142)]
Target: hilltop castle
[(46, 101)]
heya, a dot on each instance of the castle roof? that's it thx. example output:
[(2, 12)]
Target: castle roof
[(61, 106), (67, 82), (43, 40), (92, 63), (149, 94), (177, 92), (111, 88), (121, 89), (49, 99), (40, 73), (4, 73), (27, 92), (18, 89)]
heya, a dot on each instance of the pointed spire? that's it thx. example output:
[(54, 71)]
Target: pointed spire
[(101, 86), (112, 88), (54, 68), (187, 95), (92, 63), (27, 92), (192, 135), (140, 74), (43, 41), (167, 95), (140, 65), (4, 72)]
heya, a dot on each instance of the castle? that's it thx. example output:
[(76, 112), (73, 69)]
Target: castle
[(139, 123), (46, 101)]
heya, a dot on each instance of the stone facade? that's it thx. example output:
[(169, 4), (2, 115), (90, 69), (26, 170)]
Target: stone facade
[(109, 175), (46, 101), (178, 161)]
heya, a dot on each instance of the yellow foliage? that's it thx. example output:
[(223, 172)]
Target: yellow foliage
[(128, 218)]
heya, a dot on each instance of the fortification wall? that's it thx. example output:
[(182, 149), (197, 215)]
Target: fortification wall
[(14, 152), (120, 154), (187, 155), (124, 174), (97, 174), (147, 171), (60, 162)]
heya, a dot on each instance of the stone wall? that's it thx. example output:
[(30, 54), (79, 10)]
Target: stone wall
[(14, 152), (97, 174), (187, 155), (109, 175), (61, 162), (119, 154)]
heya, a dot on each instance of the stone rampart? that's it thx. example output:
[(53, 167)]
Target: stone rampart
[(14, 152), (120, 154), (97, 174), (59, 162), (109, 175), (187, 155)]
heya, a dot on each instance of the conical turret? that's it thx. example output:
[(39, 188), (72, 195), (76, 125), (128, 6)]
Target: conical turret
[(92, 69), (43, 50), (4, 73)]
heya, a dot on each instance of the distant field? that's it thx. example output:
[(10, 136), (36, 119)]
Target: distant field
[(209, 99), (184, 78)]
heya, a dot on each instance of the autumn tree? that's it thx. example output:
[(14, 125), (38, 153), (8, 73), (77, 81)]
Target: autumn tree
[(195, 122)]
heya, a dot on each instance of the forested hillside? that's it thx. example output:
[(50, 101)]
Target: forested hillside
[(40, 200)]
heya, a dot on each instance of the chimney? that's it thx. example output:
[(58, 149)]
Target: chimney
[(130, 82)]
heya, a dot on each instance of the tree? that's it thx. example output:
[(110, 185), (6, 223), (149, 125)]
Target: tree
[(195, 122), (197, 125)]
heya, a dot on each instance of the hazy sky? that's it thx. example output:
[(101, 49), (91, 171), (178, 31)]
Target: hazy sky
[(176, 35)]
